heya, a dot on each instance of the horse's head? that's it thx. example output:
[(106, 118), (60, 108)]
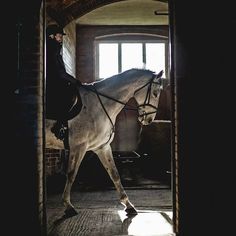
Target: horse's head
[(147, 98)]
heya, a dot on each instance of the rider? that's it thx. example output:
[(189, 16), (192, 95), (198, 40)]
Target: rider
[(61, 87)]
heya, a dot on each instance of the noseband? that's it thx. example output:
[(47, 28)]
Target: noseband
[(146, 102)]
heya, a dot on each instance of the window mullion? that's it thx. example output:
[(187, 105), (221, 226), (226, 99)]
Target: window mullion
[(166, 60), (144, 54), (119, 58)]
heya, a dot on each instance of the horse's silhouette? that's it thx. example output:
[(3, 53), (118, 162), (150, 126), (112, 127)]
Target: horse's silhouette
[(94, 127)]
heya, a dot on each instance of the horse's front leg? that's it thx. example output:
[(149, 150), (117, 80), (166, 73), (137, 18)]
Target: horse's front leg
[(106, 157), (75, 159)]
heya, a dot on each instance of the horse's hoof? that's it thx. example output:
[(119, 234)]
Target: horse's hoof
[(131, 211), (70, 212)]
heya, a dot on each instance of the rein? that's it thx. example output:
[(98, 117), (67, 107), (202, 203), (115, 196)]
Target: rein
[(111, 98), (146, 101), (93, 89)]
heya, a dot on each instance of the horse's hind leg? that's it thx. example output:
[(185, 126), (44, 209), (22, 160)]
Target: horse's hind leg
[(106, 157), (75, 160)]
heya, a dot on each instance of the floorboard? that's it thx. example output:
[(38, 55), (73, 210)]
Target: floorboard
[(101, 214)]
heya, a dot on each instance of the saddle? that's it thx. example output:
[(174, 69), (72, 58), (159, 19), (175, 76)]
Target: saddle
[(72, 109)]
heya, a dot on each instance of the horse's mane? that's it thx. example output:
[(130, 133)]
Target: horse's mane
[(120, 76), (124, 73)]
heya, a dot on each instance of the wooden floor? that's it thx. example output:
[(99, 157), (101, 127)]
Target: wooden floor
[(101, 214)]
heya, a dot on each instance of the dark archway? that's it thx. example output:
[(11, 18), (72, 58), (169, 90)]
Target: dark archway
[(63, 12)]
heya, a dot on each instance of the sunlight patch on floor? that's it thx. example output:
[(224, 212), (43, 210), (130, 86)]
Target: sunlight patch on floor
[(147, 223)]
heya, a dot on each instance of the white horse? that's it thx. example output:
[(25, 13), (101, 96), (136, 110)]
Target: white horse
[(93, 128)]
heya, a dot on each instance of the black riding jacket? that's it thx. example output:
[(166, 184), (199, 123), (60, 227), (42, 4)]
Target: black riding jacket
[(55, 68)]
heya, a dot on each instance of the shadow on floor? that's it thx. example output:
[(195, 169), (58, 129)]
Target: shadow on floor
[(101, 214)]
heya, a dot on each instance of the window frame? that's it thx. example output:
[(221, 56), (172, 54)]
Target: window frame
[(120, 41)]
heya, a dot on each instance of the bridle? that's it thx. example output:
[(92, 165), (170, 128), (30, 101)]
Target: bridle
[(146, 103)]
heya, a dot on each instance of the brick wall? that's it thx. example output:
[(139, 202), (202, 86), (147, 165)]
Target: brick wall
[(54, 159)]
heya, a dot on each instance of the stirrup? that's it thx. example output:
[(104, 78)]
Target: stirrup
[(59, 130), (61, 133)]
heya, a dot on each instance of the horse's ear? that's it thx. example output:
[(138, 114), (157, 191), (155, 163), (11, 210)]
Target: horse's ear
[(159, 75), (158, 78)]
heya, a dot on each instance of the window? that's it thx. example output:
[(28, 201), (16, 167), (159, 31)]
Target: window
[(131, 56), (115, 57), (108, 59)]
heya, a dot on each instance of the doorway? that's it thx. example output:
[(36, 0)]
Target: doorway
[(145, 160)]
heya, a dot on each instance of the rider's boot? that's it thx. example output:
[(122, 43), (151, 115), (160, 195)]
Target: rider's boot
[(60, 129)]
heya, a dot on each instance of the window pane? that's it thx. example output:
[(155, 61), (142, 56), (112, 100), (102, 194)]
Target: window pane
[(131, 56), (108, 59), (155, 57)]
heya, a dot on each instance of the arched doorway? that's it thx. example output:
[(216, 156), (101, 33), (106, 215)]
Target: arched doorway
[(79, 16), (66, 19)]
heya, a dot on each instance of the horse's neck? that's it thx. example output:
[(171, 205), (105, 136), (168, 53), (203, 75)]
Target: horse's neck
[(120, 88)]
